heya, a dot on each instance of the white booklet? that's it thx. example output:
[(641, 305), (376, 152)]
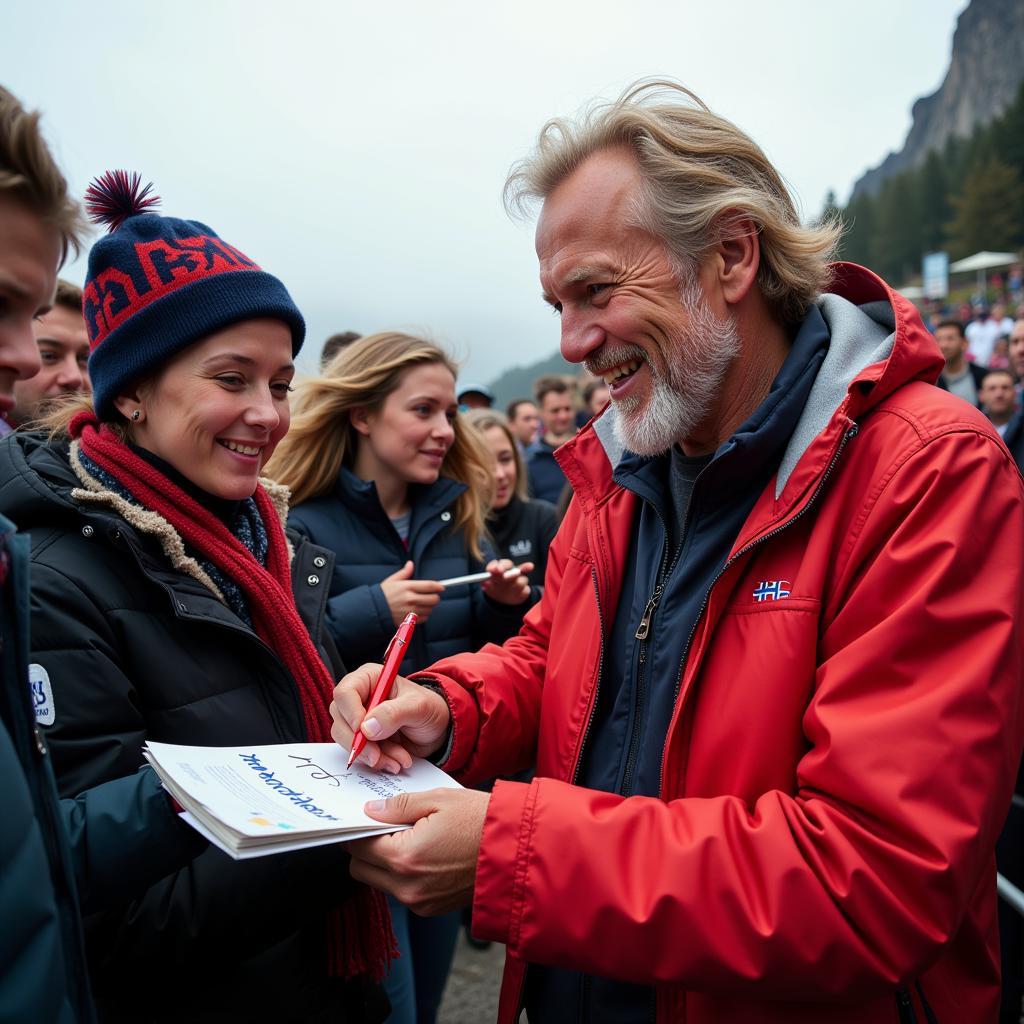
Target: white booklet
[(257, 800)]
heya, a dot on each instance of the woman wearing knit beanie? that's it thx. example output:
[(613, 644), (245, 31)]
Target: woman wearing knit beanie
[(168, 604)]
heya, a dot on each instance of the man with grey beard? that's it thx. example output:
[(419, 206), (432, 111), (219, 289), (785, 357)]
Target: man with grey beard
[(772, 689)]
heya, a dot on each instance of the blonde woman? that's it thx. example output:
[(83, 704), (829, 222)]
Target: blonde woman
[(520, 526), (384, 472)]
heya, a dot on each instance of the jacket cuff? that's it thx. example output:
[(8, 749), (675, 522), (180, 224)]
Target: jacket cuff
[(440, 756), (464, 723), (499, 887)]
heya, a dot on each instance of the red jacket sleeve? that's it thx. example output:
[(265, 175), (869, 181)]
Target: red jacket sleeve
[(495, 725)]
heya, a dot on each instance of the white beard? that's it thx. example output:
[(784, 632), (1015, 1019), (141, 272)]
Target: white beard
[(697, 364)]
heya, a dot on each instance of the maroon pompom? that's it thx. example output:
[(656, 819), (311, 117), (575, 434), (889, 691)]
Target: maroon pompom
[(117, 195)]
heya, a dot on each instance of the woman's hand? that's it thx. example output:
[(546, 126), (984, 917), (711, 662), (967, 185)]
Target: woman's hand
[(404, 594), (508, 583)]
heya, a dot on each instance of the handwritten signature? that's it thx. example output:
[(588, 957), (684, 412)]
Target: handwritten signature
[(318, 773)]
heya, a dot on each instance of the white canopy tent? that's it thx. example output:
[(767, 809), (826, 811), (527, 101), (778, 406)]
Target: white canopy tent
[(981, 262)]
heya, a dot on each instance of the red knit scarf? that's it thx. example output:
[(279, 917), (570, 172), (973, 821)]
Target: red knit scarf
[(360, 937)]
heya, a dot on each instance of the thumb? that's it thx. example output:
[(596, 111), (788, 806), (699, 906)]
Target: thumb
[(403, 809), (405, 573)]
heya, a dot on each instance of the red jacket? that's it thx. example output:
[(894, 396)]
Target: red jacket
[(840, 759)]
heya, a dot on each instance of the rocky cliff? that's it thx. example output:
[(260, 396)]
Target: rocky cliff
[(985, 72)]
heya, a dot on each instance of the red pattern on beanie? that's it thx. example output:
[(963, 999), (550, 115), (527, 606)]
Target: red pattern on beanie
[(360, 937)]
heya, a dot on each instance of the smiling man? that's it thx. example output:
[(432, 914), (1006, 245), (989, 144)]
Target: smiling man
[(63, 345), (555, 409), (773, 686)]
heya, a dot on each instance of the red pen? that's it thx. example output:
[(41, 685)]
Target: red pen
[(392, 659)]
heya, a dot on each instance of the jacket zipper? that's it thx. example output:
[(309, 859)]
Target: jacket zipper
[(642, 634), (848, 436)]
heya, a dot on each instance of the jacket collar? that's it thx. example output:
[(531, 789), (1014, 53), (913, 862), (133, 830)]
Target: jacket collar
[(425, 500), (362, 494)]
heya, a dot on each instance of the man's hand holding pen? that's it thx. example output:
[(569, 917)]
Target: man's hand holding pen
[(412, 722), (431, 866)]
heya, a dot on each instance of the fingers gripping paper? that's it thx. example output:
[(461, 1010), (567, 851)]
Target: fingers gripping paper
[(258, 800)]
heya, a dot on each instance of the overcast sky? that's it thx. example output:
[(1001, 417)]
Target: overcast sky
[(358, 152)]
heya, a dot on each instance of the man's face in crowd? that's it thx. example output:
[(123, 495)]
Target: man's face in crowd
[(524, 425), (658, 345), (952, 344), (598, 400), (1016, 351), (29, 254), (556, 413), (997, 395), (64, 351)]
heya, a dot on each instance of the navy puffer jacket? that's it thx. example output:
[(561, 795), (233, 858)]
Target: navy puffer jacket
[(351, 522)]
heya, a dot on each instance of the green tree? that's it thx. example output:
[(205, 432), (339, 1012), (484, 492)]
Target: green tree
[(934, 205), (1008, 133), (896, 245), (989, 211), (859, 220)]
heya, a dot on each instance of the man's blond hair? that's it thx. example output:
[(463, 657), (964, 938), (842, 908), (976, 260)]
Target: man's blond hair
[(702, 178), (30, 175)]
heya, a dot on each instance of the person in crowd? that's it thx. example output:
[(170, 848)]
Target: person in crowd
[(982, 333), (1015, 358), (475, 396), (959, 376), (773, 685), (557, 417), (63, 353), (57, 857), (334, 344), (524, 420), (521, 527), (1013, 435), (595, 398), (384, 472), (163, 609), (1000, 358), (1002, 320), (998, 398)]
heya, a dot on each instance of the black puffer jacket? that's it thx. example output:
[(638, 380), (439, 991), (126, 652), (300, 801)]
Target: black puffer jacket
[(351, 522), (136, 649)]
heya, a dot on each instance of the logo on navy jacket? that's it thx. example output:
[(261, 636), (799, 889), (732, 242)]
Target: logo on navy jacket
[(773, 590), (520, 548)]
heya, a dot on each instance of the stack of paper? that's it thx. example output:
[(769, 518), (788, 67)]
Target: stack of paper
[(253, 801)]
